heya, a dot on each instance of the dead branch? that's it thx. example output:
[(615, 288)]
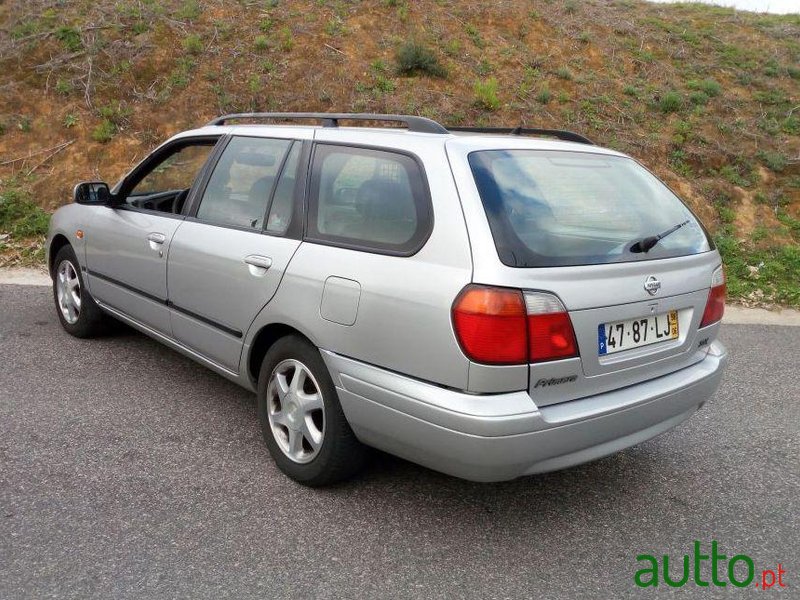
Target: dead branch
[(49, 156), (335, 49), (87, 94), (32, 154)]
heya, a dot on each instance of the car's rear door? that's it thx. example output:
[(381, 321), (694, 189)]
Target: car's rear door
[(564, 220), (127, 246), (228, 257)]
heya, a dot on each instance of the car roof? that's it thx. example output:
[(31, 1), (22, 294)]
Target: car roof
[(466, 141)]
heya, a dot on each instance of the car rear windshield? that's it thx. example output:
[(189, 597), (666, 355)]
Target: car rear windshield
[(555, 208)]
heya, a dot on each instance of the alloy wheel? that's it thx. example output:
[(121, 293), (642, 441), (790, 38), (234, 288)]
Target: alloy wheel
[(68, 291), (295, 409)]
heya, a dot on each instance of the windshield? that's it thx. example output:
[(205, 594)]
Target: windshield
[(552, 208)]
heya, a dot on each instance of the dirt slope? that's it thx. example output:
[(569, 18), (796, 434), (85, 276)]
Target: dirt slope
[(708, 98)]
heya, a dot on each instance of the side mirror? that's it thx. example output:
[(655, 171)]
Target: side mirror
[(92, 192)]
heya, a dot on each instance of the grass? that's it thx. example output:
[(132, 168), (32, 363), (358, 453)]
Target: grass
[(70, 37), (774, 161), (193, 44), (710, 87), (23, 227), (544, 95), (104, 131), (261, 43), (189, 10), (486, 94), (413, 58), (20, 217), (776, 278), (670, 102)]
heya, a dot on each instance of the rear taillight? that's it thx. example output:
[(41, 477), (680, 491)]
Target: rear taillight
[(490, 325), (501, 326), (715, 306), (550, 334)]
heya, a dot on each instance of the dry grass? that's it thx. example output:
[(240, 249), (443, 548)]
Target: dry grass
[(709, 98)]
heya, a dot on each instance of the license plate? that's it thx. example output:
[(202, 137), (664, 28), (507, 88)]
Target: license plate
[(635, 333)]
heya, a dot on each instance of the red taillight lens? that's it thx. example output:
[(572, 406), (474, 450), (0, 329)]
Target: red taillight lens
[(551, 337), (715, 307), (490, 325), (504, 327)]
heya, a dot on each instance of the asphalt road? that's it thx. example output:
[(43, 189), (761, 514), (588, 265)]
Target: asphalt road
[(128, 471)]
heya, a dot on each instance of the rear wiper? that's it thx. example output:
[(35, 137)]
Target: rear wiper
[(645, 244)]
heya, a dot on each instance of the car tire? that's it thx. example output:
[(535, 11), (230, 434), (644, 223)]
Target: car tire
[(309, 411), (76, 309)]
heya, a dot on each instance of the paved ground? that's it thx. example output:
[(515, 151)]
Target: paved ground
[(127, 471)]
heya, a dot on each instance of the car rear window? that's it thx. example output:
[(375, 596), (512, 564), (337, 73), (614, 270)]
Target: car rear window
[(368, 199), (555, 208)]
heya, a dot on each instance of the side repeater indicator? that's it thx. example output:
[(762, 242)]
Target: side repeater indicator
[(79, 234)]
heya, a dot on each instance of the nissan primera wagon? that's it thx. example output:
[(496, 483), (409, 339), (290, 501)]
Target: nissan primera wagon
[(487, 303)]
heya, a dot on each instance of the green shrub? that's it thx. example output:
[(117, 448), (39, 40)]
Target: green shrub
[(193, 44), (189, 10), (334, 27), (20, 217), (544, 95), (732, 174), (413, 58), (265, 24), (286, 39), (452, 48), (699, 98), (670, 102), (70, 37), (104, 131), (486, 94), (708, 86), (474, 35), (261, 43), (383, 84), (774, 161), (63, 86)]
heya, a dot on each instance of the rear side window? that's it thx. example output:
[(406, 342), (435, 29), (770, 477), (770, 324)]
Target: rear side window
[(282, 207), (549, 209), (243, 181), (368, 199)]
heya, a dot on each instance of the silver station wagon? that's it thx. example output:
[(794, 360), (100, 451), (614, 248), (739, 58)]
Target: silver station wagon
[(489, 303)]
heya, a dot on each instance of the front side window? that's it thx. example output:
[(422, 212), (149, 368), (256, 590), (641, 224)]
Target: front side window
[(368, 199), (555, 208), (243, 181), (166, 185)]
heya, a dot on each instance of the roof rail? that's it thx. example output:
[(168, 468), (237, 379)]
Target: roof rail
[(568, 136), (414, 123)]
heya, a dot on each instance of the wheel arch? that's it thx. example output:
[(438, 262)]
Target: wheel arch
[(57, 243), (263, 341)]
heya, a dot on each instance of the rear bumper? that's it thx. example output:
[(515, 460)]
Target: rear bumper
[(495, 437)]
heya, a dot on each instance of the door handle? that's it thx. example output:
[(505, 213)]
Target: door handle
[(156, 240), (257, 264)]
